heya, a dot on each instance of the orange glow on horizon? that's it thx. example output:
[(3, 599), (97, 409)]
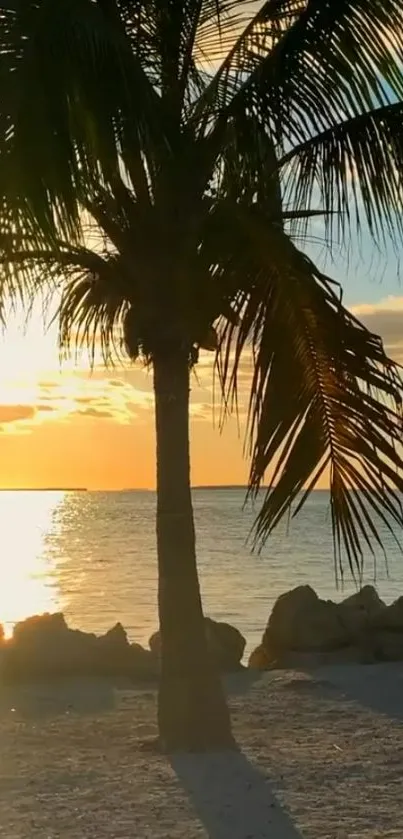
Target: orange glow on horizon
[(63, 426)]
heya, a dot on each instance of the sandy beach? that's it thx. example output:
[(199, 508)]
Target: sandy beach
[(321, 757)]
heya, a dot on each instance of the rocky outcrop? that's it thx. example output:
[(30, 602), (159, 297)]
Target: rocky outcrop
[(304, 630), (365, 600), (225, 642), (259, 659), (387, 646), (310, 659), (390, 618), (45, 648), (300, 620), (359, 611)]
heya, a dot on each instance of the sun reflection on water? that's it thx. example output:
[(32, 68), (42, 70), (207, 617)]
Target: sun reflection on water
[(26, 519)]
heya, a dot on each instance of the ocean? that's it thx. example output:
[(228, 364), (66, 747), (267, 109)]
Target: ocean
[(93, 556)]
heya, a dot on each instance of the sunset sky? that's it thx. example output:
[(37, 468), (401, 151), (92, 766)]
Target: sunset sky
[(61, 425)]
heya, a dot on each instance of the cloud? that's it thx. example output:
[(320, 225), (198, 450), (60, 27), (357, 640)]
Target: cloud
[(201, 411), (46, 409), (16, 418), (124, 396), (87, 400), (73, 394), (48, 385), (115, 383), (96, 413), (16, 413), (392, 303), (67, 395), (385, 318)]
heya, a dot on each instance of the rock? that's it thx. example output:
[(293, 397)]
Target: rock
[(390, 617), (301, 621), (366, 599), (310, 660), (305, 632), (115, 639), (358, 611), (225, 642), (40, 627), (143, 665), (113, 651), (45, 648), (387, 646), (117, 657), (154, 643), (259, 659)]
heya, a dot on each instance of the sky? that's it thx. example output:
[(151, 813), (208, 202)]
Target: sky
[(61, 425)]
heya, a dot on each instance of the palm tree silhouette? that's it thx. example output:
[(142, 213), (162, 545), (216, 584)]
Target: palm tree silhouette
[(159, 163)]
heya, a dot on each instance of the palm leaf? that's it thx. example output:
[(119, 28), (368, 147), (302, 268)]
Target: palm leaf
[(330, 80), (94, 291), (154, 192), (324, 395), (357, 160), (264, 27), (328, 62), (90, 314), (47, 63)]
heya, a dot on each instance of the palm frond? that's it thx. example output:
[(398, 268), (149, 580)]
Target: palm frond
[(113, 211), (331, 61), (90, 315), (94, 293), (332, 71), (152, 181), (356, 162), (64, 89), (263, 29), (220, 24), (324, 396)]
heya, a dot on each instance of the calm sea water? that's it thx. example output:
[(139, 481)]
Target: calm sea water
[(93, 556)]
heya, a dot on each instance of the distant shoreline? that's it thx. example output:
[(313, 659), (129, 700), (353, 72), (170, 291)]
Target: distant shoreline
[(43, 489), (196, 488)]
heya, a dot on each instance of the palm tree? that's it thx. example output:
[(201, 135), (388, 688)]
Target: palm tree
[(160, 163)]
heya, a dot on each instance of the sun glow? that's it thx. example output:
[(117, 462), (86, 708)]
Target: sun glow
[(26, 521)]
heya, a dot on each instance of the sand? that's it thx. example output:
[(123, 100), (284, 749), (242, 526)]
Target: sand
[(321, 757)]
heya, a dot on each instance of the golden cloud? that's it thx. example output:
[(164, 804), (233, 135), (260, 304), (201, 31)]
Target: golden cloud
[(70, 395), (385, 318), (16, 413)]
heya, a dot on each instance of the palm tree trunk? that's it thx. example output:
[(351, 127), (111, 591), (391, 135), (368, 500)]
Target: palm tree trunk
[(192, 712)]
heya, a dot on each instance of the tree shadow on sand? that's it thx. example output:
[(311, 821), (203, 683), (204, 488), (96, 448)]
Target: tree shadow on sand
[(232, 798)]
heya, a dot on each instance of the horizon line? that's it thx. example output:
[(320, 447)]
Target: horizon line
[(131, 489)]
